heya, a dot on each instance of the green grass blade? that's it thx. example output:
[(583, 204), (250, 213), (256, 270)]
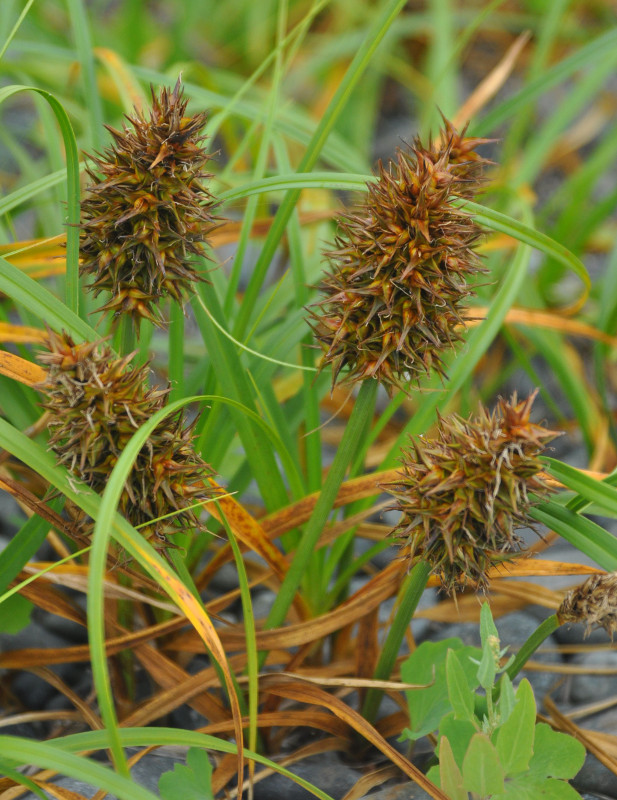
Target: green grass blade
[(46, 756), (42, 303), (83, 42), (489, 218), (15, 28), (599, 492), (231, 373), (377, 31), (72, 189), (584, 534), (152, 737), (248, 618), (345, 453), (595, 51)]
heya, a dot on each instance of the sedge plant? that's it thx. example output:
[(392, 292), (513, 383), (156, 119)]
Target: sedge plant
[(161, 409)]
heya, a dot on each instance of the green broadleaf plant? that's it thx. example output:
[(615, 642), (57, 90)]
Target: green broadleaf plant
[(490, 745)]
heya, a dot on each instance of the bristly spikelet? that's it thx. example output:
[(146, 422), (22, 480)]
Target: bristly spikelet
[(400, 267), (464, 493), (593, 603), (96, 402), (147, 210)]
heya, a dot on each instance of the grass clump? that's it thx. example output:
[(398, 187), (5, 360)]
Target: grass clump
[(167, 399)]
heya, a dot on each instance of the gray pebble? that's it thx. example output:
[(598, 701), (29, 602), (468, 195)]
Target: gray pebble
[(592, 687), (326, 771)]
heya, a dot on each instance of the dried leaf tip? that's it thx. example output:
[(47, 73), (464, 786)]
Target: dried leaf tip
[(400, 269), (463, 494), (148, 211), (594, 603)]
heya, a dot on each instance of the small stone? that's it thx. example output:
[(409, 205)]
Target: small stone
[(326, 771), (592, 687), (597, 779)]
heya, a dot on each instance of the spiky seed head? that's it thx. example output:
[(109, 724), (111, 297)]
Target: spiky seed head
[(464, 493), (148, 210), (400, 268), (594, 603), (96, 401)]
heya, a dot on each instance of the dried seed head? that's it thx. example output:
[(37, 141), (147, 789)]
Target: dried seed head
[(147, 210), (463, 494), (400, 268), (593, 603), (96, 402)]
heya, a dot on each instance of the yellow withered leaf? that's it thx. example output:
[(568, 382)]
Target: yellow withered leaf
[(21, 370)]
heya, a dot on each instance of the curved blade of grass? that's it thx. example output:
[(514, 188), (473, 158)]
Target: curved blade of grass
[(25, 193), (584, 534), (248, 618), (15, 28), (489, 218), (72, 189), (108, 521), (153, 737), (599, 492), (42, 303), (231, 373), (21, 779), (248, 349), (43, 754), (376, 33)]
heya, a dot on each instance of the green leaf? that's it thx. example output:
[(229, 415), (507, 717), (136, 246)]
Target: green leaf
[(451, 778), (555, 755), (487, 626), (487, 669), (506, 697), (41, 302), (192, 781), (427, 664), (459, 733), (460, 695), (482, 772), (526, 787), (515, 737), (15, 614)]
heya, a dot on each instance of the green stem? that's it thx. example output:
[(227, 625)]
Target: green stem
[(176, 352), (411, 592), (125, 339), (541, 633), (349, 445)]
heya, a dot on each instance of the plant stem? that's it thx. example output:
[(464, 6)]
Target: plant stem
[(349, 445), (541, 633), (176, 351), (125, 339), (411, 592)]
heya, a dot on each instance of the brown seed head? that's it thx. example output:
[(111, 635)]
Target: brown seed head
[(147, 211), (399, 271), (96, 402), (593, 603), (464, 493)]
